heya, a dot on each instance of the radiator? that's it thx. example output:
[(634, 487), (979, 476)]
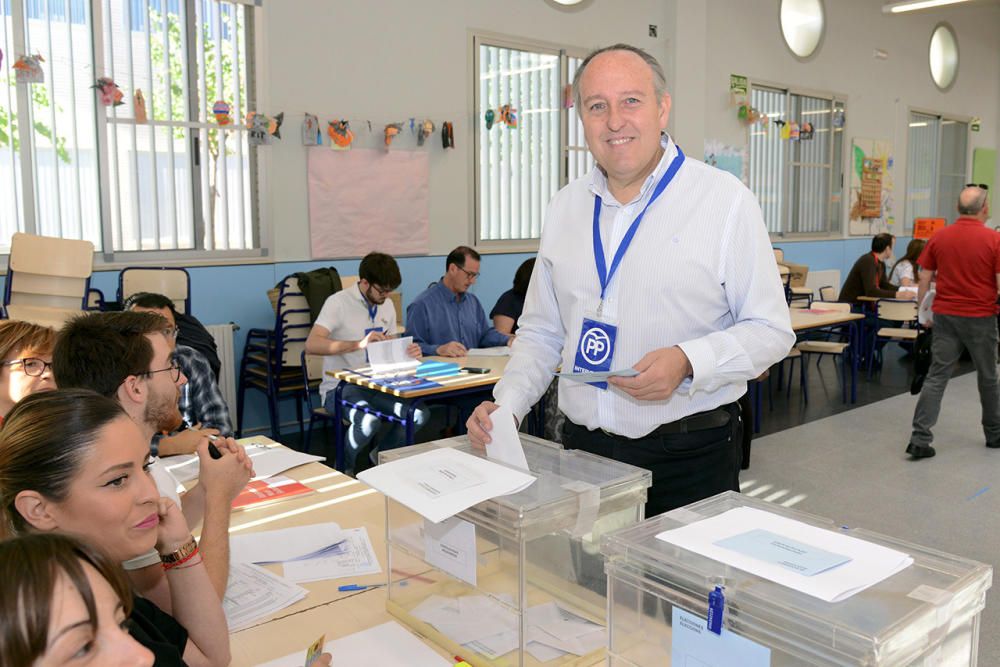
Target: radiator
[(223, 335)]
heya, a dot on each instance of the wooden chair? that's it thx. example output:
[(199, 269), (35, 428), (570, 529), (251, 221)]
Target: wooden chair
[(272, 358), (312, 376), (779, 255), (828, 293), (48, 279), (897, 311), (173, 283), (829, 347)]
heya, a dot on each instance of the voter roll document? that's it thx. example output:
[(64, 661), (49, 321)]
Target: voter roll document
[(442, 482)]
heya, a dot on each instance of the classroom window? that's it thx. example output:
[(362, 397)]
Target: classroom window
[(799, 183), (519, 170), (937, 152), (77, 169)]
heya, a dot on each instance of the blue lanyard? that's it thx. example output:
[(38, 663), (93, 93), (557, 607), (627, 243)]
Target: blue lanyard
[(372, 308), (603, 273)]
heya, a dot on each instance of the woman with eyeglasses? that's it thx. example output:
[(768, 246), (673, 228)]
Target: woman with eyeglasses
[(64, 603), (72, 461), (26, 350)]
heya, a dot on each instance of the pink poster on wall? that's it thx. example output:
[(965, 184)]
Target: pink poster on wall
[(363, 200)]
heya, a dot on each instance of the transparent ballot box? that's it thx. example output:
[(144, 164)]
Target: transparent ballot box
[(926, 613), (519, 579)]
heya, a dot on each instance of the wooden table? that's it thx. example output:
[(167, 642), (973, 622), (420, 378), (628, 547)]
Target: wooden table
[(810, 319), (445, 387)]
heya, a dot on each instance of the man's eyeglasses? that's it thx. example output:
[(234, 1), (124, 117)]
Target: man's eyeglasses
[(383, 291), (472, 274), (981, 186), (31, 366), (171, 332), (174, 366)]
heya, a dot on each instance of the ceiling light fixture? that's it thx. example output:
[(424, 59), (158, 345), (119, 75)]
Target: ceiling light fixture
[(914, 5)]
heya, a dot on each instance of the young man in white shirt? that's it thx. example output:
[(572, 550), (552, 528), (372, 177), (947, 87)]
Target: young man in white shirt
[(348, 321)]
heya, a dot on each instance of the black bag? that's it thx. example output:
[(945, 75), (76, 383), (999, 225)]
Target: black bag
[(316, 286), (921, 359)]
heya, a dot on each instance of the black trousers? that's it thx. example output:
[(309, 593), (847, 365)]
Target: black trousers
[(686, 467)]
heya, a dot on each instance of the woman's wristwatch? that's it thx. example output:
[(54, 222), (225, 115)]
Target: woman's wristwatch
[(180, 555)]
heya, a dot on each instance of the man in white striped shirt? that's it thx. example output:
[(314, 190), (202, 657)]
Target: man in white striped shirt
[(652, 262)]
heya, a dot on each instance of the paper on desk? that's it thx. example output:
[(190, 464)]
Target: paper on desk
[(386, 645), (505, 445), (869, 564), (353, 557), (275, 546), (501, 351), (598, 376), (444, 481), (268, 461), (253, 593), (386, 356)]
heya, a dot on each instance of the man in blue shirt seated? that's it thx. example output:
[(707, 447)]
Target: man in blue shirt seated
[(446, 319)]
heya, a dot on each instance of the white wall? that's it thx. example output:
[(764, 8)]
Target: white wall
[(744, 37), (388, 60)]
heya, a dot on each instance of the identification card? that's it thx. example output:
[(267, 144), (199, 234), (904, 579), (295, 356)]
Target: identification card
[(315, 651), (596, 348)]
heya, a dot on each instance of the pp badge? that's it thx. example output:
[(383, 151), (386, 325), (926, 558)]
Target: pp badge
[(596, 348)]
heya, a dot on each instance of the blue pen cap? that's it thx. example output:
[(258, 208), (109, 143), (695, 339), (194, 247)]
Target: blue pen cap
[(716, 607)]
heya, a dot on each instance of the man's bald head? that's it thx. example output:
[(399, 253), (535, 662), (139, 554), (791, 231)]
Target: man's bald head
[(972, 202)]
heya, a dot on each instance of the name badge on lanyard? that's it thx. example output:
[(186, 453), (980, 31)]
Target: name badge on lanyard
[(596, 348), (372, 309)]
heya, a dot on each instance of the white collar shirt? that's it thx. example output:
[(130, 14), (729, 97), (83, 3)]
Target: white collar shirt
[(345, 315), (699, 273)]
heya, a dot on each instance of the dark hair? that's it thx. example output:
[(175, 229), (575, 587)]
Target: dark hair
[(380, 269), (30, 567), (99, 350), (913, 250), (459, 255), (17, 337), (523, 276), (879, 243), (149, 300), (44, 439)]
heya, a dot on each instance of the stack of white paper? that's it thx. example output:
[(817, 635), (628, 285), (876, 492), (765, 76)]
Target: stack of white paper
[(386, 645), (352, 557), (818, 562), (276, 546), (390, 356), (253, 594), (443, 482), (505, 445), (483, 625), (268, 461)]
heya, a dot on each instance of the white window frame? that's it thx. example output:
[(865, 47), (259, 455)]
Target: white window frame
[(108, 258), (936, 192), (839, 230), (564, 53)]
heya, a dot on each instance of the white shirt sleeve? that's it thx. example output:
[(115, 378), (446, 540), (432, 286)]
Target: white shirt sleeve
[(762, 331)]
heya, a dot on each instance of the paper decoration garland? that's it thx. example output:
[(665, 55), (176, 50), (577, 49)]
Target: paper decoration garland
[(108, 92), (28, 69), (310, 131), (340, 134), (391, 130), (221, 109), (426, 128), (447, 135), (140, 107)]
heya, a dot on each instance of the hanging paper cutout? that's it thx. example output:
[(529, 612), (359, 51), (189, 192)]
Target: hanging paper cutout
[(261, 128), (140, 107), (786, 131), (489, 117), (838, 118), (447, 135), (310, 131), (806, 132), (508, 116), (221, 109), (391, 130), (274, 125), (567, 101), (28, 69), (1, 56), (340, 134), (426, 128), (793, 131), (108, 92)]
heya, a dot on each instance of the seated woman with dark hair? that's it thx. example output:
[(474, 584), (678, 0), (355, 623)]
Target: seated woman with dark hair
[(26, 354), (510, 304), (72, 461), (64, 603)]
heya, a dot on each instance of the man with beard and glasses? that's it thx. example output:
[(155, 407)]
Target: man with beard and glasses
[(349, 320), (127, 357)]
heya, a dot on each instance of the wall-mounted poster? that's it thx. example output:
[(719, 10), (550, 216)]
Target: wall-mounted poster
[(727, 158), (872, 204)]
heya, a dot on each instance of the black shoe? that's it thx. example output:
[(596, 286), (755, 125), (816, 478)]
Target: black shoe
[(993, 444), (920, 451)]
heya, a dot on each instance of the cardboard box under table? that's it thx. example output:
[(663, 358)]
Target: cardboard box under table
[(511, 570), (927, 613)]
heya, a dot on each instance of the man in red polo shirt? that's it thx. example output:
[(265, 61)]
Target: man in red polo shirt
[(964, 259)]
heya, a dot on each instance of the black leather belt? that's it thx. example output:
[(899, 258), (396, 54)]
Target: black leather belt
[(701, 421)]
